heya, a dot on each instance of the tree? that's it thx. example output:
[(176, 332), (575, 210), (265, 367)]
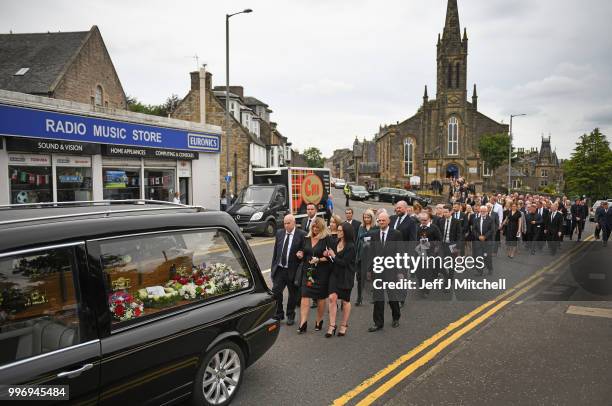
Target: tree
[(162, 110), (494, 149), (314, 157), (588, 170)]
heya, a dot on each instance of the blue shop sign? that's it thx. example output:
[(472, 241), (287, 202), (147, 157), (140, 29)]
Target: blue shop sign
[(27, 122)]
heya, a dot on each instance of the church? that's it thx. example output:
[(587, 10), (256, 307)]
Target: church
[(441, 140)]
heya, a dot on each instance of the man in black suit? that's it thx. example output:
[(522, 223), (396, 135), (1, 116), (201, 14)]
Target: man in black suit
[(605, 222), (451, 241), (384, 243), (553, 228), (545, 215), (428, 240), (483, 231), (463, 219), (579, 214), (354, 223), (289, 241), (403, 222), (534, 227), (311, 213)]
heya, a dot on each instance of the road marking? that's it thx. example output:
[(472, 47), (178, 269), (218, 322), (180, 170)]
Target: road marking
[(262, 242), (344, 399), (384, 388), (589, 311)]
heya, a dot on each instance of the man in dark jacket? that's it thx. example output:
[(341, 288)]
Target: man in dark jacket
[(534, 228), (428, 240), (354, 223), (289, 241), (606, 223), (579, 214), (403, 222), (451, 240), (483, 231), (553, 229)]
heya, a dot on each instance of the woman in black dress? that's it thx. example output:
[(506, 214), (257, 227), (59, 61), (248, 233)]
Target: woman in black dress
[(315, 274), (513, 225), (342, 278)]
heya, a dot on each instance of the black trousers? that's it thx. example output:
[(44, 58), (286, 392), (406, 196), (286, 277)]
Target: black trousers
[(379, 312), (483, 249), (606, 234), (279, 283), (359, 282), (580, 225)]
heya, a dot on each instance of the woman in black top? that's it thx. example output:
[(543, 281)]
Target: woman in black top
[(512, 223), (315, 273), (342, 278)]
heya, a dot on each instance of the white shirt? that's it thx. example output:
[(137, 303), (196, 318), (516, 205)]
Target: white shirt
[(284, 262), (447, 227), (497, 208), (176, 200)]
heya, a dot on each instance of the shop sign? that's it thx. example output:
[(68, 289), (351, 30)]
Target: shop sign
[(29, 160), (115, 150), (49, 146), (34, 123), (72, 161), (184, 169)]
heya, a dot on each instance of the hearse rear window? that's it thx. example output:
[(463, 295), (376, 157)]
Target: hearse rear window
[(155, 273), (39, 309)]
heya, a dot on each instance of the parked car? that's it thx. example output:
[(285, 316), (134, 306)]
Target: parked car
[(595, 207), (340, 183), (130, 303), (358, 192), (394, 195)]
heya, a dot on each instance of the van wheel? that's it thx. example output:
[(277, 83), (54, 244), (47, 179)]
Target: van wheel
[(219, 376), (270, 229)]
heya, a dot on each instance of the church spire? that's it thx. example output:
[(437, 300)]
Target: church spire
[(475, 98), (425, 96), (452, 30)]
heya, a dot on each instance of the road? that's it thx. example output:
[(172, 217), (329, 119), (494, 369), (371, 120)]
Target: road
[(545, 340)]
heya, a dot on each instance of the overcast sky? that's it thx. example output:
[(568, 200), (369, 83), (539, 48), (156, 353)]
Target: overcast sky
[(333, 70)]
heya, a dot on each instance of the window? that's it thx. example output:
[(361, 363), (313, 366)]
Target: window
[(408, 157), (158, 273), (39, 309), (486, 171), (453, 136), (159, 184), (457, 74), (30, 178), (516, 184), (73, 178), (544, 182), (449, 76), (544, 173), (98, 96), (121, 183)]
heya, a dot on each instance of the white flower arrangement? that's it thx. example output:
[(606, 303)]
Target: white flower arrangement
[(156, 299)]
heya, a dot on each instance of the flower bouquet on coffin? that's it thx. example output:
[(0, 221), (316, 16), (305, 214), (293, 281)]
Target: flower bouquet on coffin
[(223, 279), (158, 296), (124, 306)]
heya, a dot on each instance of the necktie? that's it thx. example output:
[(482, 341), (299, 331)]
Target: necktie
[(284, 258), (446, 230), (308, 225), (397, 222), (382, 237)]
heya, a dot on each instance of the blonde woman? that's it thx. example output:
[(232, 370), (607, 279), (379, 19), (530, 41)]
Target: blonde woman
[(367, 225), (315, 274)]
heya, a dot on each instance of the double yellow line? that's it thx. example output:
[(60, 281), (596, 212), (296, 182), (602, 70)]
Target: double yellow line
[(493, 307)]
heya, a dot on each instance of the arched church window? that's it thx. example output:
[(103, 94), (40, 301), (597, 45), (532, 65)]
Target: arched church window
[(457, 74), (408, 157), (453, 136)]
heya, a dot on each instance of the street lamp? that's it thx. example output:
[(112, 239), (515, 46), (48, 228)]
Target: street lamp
[(227, 97), (510, 151)]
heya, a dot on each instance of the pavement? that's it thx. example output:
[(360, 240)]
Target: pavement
[(546, 340)]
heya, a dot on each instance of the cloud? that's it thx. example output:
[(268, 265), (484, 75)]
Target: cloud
[(326, 87)]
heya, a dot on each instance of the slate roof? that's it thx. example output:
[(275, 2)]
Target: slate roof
[(47, 55), (252, 101)]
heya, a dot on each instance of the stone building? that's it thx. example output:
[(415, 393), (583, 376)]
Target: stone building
[(255, 140), (533, 170), (339, 163), (365, 169), (74, 66), (441, 140)]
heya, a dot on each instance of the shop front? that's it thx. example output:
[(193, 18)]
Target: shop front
[(50, 155)]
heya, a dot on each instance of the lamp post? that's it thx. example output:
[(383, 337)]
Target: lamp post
[(227, 97), (510, 151)]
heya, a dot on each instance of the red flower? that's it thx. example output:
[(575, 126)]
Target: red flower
[(176, 277), (183, 281), (199, 281), (137, 312), (119, 310)]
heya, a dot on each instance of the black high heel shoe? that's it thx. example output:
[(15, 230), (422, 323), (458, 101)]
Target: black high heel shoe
[(345, 330), (303, 328), (333, 333), (319, 325)]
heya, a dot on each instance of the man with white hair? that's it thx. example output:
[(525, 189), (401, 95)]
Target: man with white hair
[(285, 262), (483, 231)]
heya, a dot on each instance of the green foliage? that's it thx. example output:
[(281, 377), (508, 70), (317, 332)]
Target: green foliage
[(314, 157), (589, 169), (550, 189), (494, 149), (163, 110)]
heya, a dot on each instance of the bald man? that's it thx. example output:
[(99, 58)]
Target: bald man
[(403, 222), (285, 262)]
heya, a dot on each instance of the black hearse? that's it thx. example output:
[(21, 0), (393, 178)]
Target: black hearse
[(130, 303)]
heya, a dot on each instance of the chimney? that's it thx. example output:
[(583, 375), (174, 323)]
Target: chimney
[(203, 89), (195, 80)]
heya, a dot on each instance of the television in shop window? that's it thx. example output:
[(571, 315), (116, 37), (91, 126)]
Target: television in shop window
[(115, 180)]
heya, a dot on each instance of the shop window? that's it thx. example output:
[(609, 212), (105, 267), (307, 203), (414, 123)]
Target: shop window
[(31, 184), (159, 184), (121, 184), (38, 304), (149, 275), (74, 182)]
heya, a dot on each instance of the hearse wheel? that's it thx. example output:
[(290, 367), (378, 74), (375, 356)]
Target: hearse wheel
[(219, 376), (270, 230)]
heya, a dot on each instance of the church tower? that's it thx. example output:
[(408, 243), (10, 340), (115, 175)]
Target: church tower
[(452, 60)]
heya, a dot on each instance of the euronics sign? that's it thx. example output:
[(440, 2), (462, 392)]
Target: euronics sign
[(28, 122)]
